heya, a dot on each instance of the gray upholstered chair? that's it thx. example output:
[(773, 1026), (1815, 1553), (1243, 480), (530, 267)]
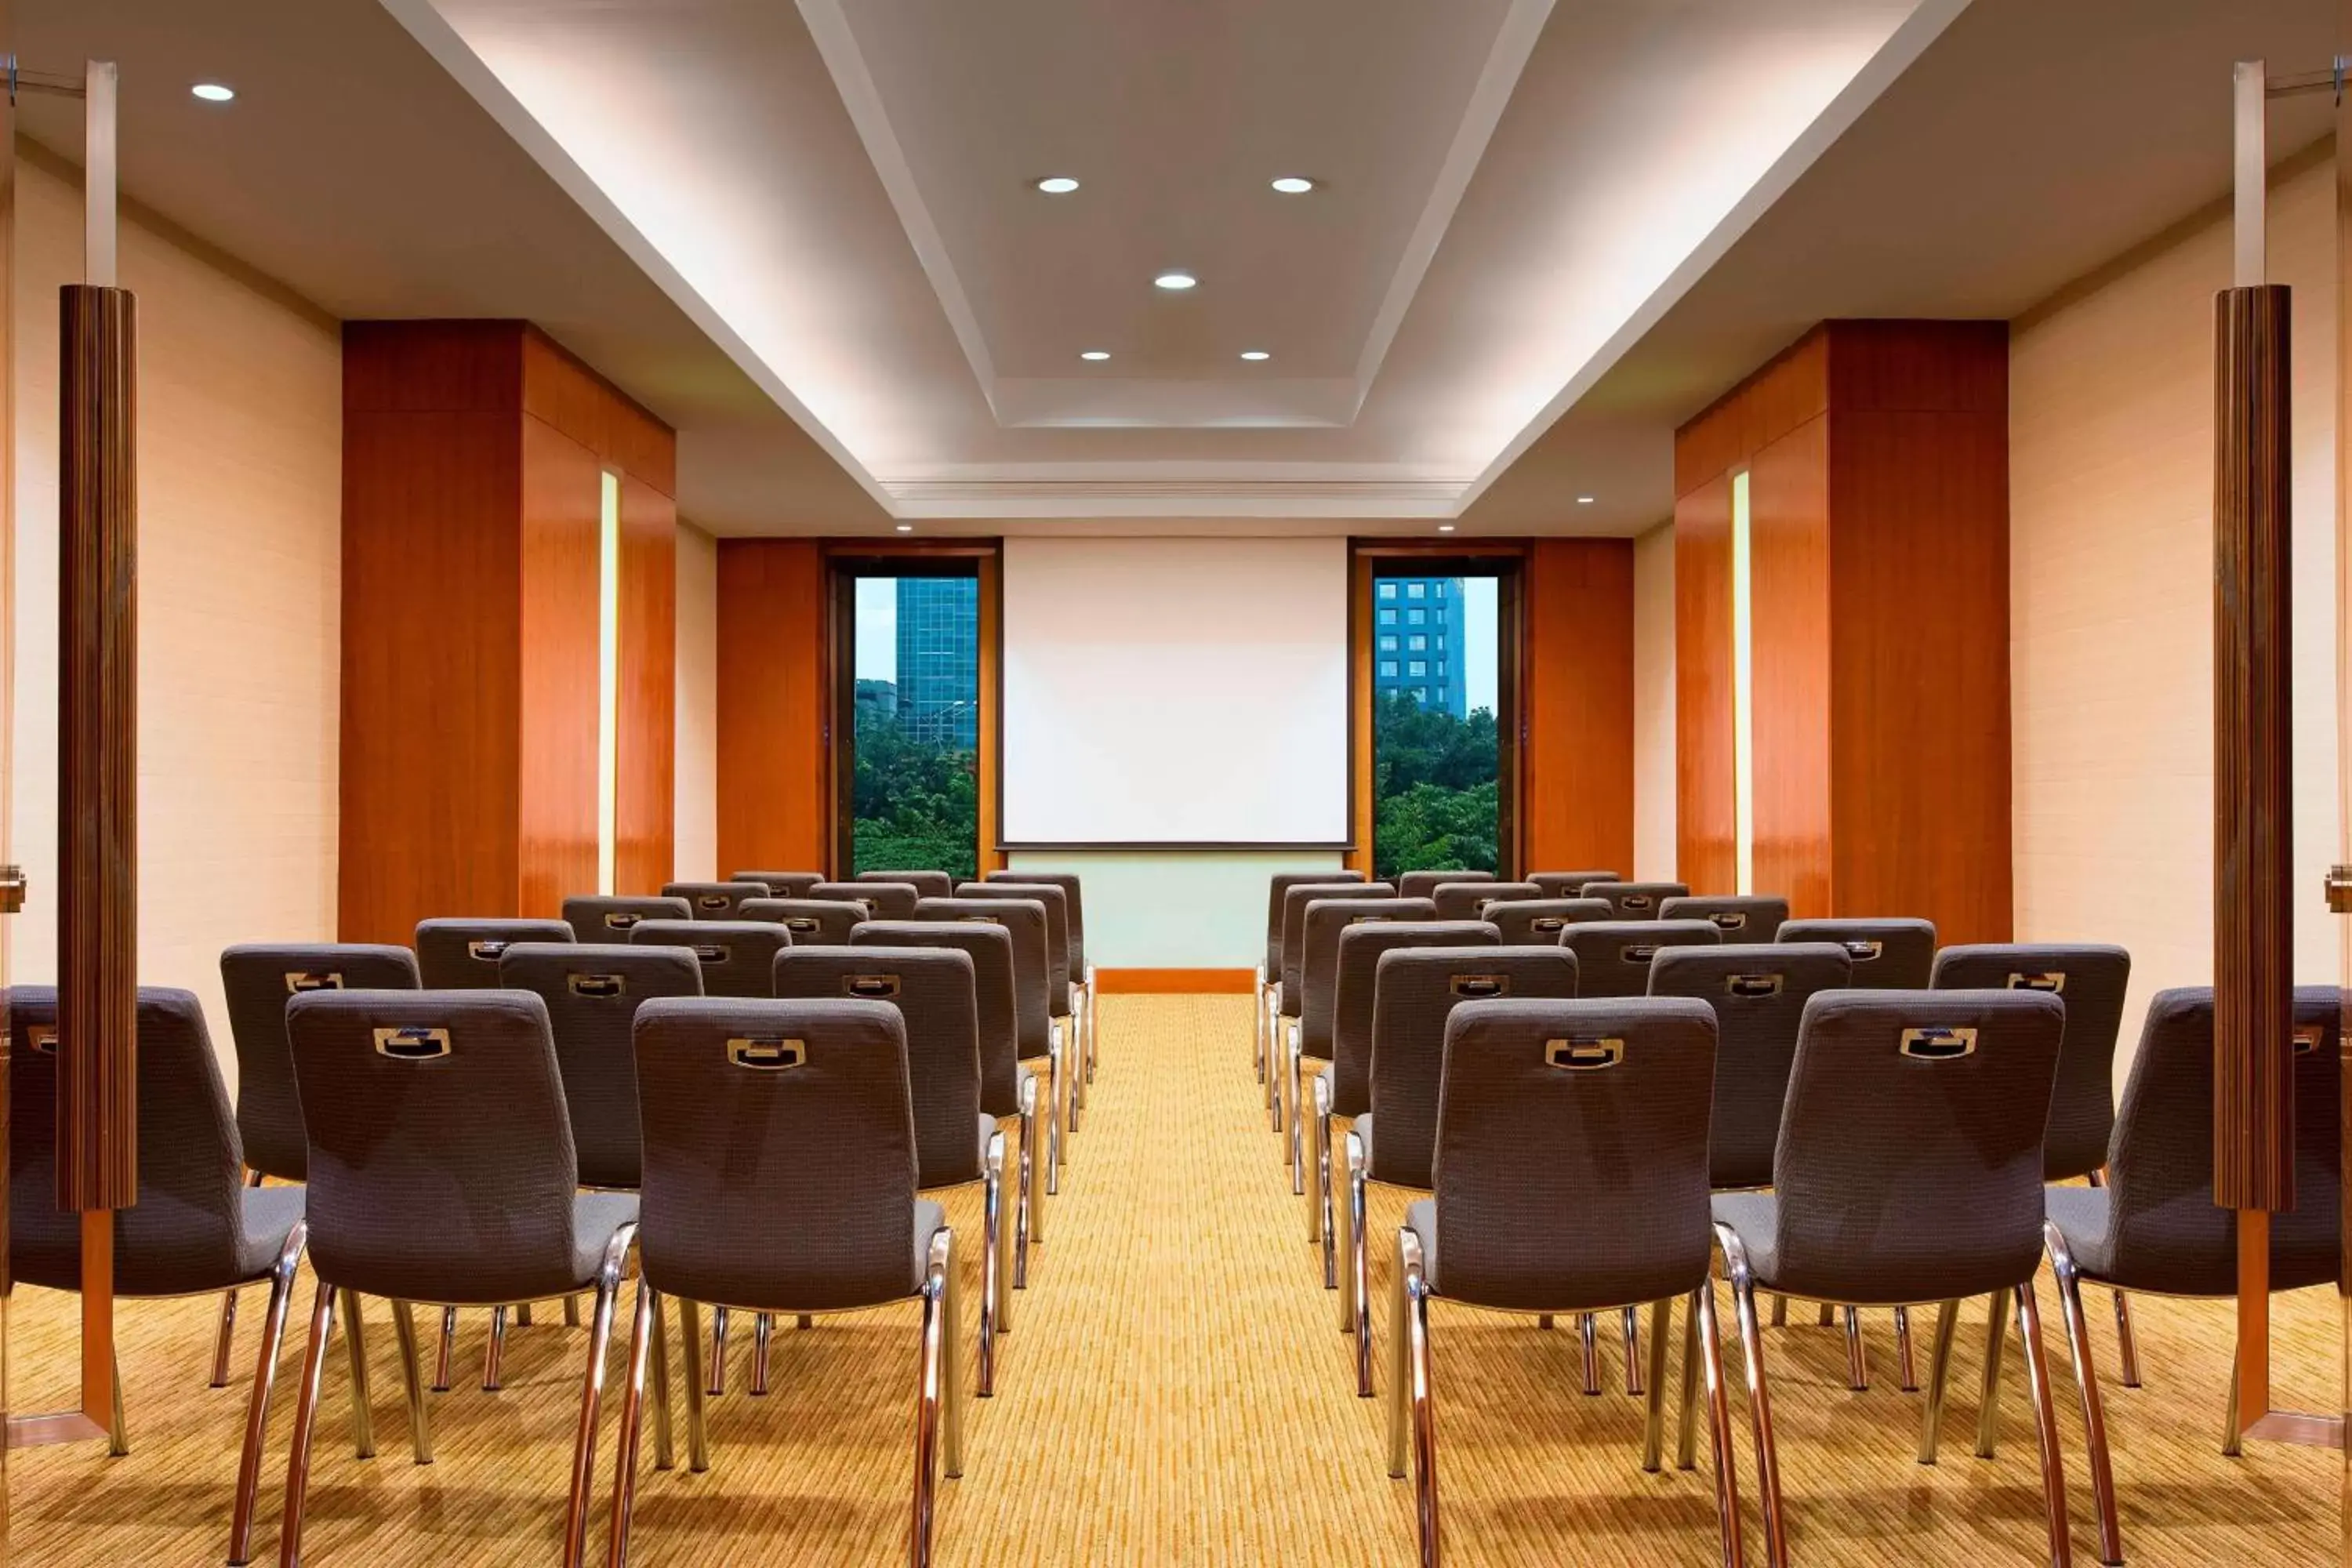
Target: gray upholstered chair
[(1909, 1170), (602, 918), (781, 884), (1614, 957), (195, 1229), (715, 900), (1633, 900), (927, 884), (1742, 917), (1285, 993), (442, 1169), (2155, 1227), (738, 957), (780, 1171), (1269, 973), (882, 900), (1319, 970), (813, 922), (1061, 975), (1895, 955), (1082, 974), (1035, 1026), (1570, 1176), (1424, 884), (1524, 920), (463, 954), (1414, 990), (1568, 884), (1468, 900), (592, 992)]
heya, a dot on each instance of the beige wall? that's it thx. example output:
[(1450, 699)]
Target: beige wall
[(240, 453), (2111, 422), (1653, 704), (697, 706)]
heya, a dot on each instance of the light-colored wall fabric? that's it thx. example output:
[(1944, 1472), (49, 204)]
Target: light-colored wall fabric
[(1178, 908), (1653, 704), (2111, 424), (697, 706), (240, 463)]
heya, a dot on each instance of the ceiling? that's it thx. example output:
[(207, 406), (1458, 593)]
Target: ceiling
[(1543, 234)]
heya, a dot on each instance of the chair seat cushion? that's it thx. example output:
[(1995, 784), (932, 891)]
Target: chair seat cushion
[(594, 1217), (1755, 1217), (191, 1259), (2197, 1256), (271, 1214)]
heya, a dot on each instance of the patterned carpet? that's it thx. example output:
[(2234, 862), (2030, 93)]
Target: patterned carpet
[(1175, 1392)]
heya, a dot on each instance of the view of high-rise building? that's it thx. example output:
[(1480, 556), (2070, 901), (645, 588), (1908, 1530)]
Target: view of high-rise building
[(938, 660), (1418, 641)]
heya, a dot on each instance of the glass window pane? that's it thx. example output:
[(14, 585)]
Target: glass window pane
[(1388, 590), (917, 797), (1417, 667), (1415, 590), (1436, 751), (1388, 669), (1388, 618)]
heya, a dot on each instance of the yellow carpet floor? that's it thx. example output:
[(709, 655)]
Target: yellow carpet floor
[(1175, 1390)]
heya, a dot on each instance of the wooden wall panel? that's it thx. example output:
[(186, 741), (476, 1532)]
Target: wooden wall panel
[(772, 757), (1705, 850), (646, 852), (1576, 796), (1789, 597), (562, 486)]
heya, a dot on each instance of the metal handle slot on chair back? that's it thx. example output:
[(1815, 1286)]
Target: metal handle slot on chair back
[(1729, 919), (711, 902), (1635, 901), (1938, 1045), (766, 1055), (2053, 981), (413, 1043), (597, 984), (2307, 1041), (1475, 987), (1584, 1056), (1638, 951), (488, 951), (799, 923), (872, 987), (1754, 984), (300, 980), (1864, 950), (621, 919), (42, 1039), (712, 952)]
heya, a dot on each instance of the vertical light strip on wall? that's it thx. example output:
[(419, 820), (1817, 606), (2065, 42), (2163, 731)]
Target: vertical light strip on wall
[(1743, 693), (608, 683)]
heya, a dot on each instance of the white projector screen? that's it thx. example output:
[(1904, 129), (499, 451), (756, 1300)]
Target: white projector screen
[(1175, 692)]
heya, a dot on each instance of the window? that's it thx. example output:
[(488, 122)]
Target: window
[(1441, 669), (1417, 642), (1441, 766), (911, 659), (1437, 590), (1417, 615), (1388, 590), (1388, 669), (1388, 618), (1387, 643), (1413, 590), (1440, 642), (1417, 668)]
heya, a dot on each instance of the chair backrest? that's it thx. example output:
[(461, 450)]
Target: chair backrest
[(256, 978), (1059, 971), (780, 1153), (1468, 900), (738, 957), (185, 1232), (1424, 884), (1280, 883), (2163, 1222), (1571, 1151), (1024, 919), (1568, 884), (933, 989), (1633, 900), (1612, 957), (881, 901), (2091, 980), (1319, 965), (927, 884), (1523, 920), (1759, 992), (463, 954), (1888, 954), (1295, 900), (1068, 882), (990, 948), (781, 884), (598, 919), (715, 900), (1356, 971), (441, 1161), (592, 992), (813, 922), (1909, 1163), (1742, 917), (1415, 989)]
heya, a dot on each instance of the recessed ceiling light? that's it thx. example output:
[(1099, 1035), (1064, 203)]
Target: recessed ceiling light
[(1444, 528), (1253, 354), (1584, 500), (1175, 281), (213, 91), (1294, 184), (1058, 185), (1095, 354), (905, 528)]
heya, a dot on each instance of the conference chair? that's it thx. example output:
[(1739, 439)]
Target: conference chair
[(1741, 918), (1319, 967), (1038, 1034), (882, 900), (1909, 1170), (934, 991), (782, 884), (1414, 990), (195, 1229), (1082, 974), (1269, 973), (1614, 957), (599, 918), (1570, 1176), (1524, 920), (1888, 954), (1568, 884), (463, 954), (715, 900), (813, 922), (1061, 972), (426, 1112), (1290, 996), (1468, 900), (780, 1178), (738, 957), (927, 884), (1424, 884), (2155, 1228), (1633, 900)]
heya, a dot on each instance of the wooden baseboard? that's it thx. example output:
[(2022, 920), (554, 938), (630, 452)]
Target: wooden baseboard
[(1136, 982)]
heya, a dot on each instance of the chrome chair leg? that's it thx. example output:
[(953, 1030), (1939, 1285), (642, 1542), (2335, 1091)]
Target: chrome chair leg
[(1653, 1428), (1718, 1405), (1360, 1264), (927, 1389), (306, 1418), (1032, 1197), (991, 1265), (1988, 1405), (717, 1387), (644, 1334), (1399, 1357), (2126, 1342), (1687, 1433), (1415, 1332), (1295, 1108), (257, 1409), (224, 1342), (1544, 1322), (1780, 1311), (448, 1345), (1760, 1401), (494, 1356), (1829, 1315), (1939, 1378), (2086, 1386), (763, 1325), (2045, 1425), (1319, 1207), (411, 1378), (1907, 1370), (659, 1374), (1057, 1134), (1633, 1352), (1857, 1360), (572, 1311), (1588, 1335), (951, 1410), (689, 1335), (355, 1347), (592, 1397), (522, 1314)]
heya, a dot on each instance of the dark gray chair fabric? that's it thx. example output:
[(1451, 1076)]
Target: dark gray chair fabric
[(813, 922), (1277, 886), (1759, 992), (1523, 920), (1068, 882), (1325, 920), (1909, 1162), (1468, 900), (2091, 980), (738, 957), (2154, 1226), (780, 1154), (1416, 991), (715, 900), (933, 990), (1741, 918), (1633, 900), (598, 919), (1024, 919), (882, 900), (927, 884), (781, 884), (1059, 968), (1614, 957), (1424, 884), (442, 1167), (196, 1227), (592, 992), (256, 978), (990, 948), (1895, 955), (1291, 996), (1354, 996), (1570, 1172), (1568, 884), (463, 954)]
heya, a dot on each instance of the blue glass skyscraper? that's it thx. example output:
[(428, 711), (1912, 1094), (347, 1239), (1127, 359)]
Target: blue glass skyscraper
[(1417, 641), (938, 660)]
